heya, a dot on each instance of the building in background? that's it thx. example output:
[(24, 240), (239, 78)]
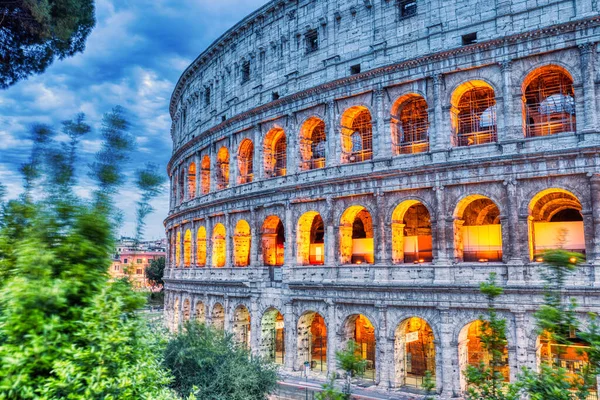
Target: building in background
[(133, 260), (354, 169)]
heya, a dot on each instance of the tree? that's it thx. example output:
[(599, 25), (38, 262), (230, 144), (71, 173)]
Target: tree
[(66, 330), (156, 271), (207, 363), (487, 381), (34, 33), (350, 361)]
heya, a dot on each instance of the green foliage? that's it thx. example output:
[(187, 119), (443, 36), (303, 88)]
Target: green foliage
[(34, 33), (486, 381), (206, 362), (65, 330), (330, 392), (155, 271)]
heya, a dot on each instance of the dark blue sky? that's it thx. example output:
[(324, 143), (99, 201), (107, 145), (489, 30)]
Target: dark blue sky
[(133, 58)]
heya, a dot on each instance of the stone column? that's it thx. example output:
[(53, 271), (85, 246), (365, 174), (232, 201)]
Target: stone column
[(588, 53), (383, 142), (228, 242), (289, 237), (290, 336), (333, 135), (449, 357)]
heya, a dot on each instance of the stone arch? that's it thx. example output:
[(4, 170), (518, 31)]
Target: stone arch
[(241, 244), (471, 352), (473, 113), (411, 233), (246, 162), (178, 249), (192, 180), (187, 310), (219, 246), (275, 153), (241, 326), (272, 337), (356, 236), (410, 124), (205, 174), (555, 221), (273, 241), (217, 316), (312, 341), (310, 240), (187, 249), (477, 230), (548, 101), (360, 329), (313, 143), (356, 135), (223, 168), (414, 352), (201, 247), (200, 313)]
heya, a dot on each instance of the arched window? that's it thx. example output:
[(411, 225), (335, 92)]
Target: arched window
[(205, 175), (241, 242), (192, 181), (410, 125), (245, 162), (477, 230), (222, 168), (474, 114), (275, 156), (357, 135), (312, 144), (549, 102)]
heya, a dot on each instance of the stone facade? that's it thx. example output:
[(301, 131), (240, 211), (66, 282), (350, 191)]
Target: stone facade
[(459, 139)]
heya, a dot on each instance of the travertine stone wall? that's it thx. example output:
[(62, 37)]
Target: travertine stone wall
[(214, 106)]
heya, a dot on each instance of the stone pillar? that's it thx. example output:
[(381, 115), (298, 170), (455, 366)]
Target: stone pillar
[(588, 53), (333, 135), (438, 138), (332, 336), (289, 237), (383, 143), (510, 128), (290, 336), (228, 242), (449, 357)]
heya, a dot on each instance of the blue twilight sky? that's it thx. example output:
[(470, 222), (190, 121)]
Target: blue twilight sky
[(133, 58)]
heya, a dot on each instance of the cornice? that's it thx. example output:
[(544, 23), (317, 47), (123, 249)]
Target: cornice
[(415, 62)]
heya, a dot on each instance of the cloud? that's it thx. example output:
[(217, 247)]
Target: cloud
[(133, 58)]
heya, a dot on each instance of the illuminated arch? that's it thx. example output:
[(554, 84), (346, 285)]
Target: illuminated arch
[(272, 339), (178, 250), (201, 247), (218, 316), (223, 168), (555, 221), (410, 124), (192, 181), (471, 352), (477, 230), (219, 243), (241, 326), (187, 249), (205, 174), (246, 162), (273, 241), (275, 153), (411, 233), (312, 341), (356, 135), (356, 236), (414, 352), (548, 102), (310, 238), (313, 142), (358, 327), (473, 114), (241, 244)]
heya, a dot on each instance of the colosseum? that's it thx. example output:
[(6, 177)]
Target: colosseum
[(354, 169)]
